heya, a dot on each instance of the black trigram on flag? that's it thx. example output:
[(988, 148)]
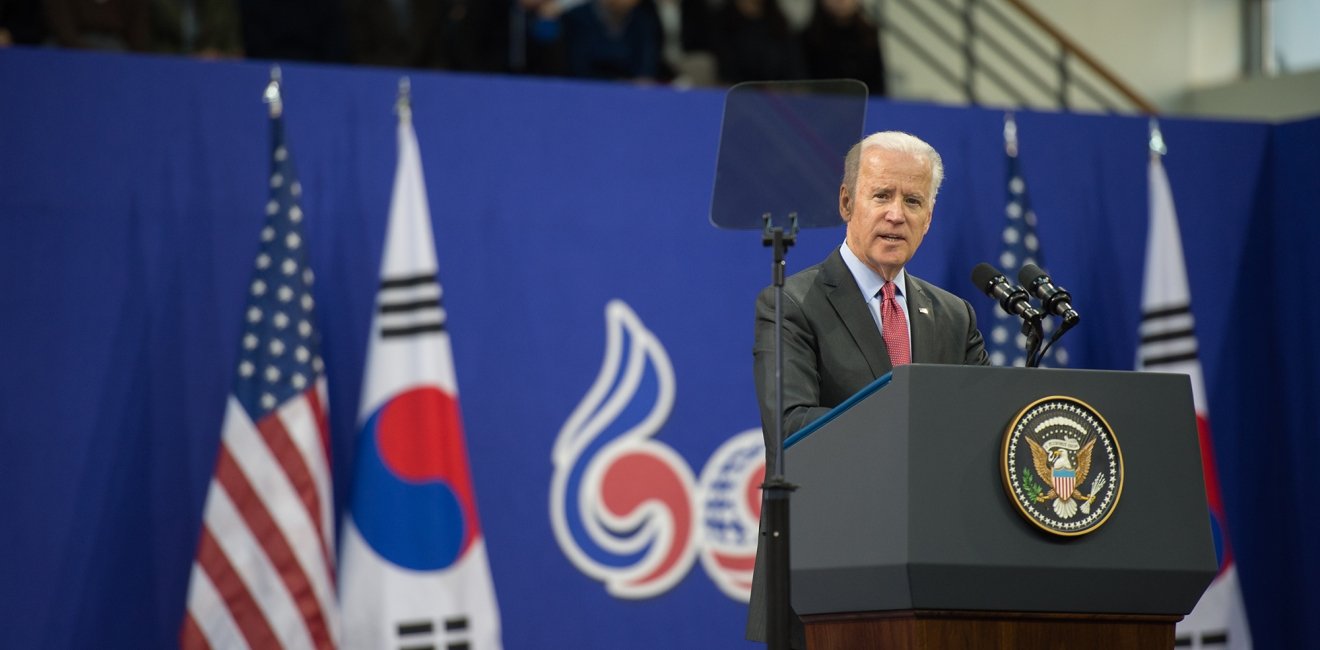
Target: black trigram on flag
[(1167, 337), (410, 306), (451, 634)]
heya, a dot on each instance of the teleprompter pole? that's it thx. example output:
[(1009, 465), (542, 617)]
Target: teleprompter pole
[(776, 489)]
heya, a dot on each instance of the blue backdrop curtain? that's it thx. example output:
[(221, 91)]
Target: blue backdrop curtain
[(132, 190)]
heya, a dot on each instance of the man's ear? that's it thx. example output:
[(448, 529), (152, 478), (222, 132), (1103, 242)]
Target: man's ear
[(845, 203)]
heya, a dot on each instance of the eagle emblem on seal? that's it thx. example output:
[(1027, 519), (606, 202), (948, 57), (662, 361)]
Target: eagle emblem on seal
[(1062, 465)]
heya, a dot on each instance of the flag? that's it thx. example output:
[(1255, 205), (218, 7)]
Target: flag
[(414, 569), (1168, 344), (263, 576), (1018, 247)]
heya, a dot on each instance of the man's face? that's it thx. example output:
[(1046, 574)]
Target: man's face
[(889, 213)]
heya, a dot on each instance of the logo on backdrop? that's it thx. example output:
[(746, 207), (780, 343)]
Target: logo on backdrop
[(1062, 466), (731, 511), (625, 507)]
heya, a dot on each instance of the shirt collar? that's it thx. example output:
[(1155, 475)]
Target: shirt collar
[(867, 279)]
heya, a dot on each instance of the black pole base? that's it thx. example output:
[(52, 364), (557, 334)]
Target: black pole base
[(779, 613)]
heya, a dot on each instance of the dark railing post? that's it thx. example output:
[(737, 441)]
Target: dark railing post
[(969, 52), (1063, 77)]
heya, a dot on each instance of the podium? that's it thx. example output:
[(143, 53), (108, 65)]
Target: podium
[(904, 536)]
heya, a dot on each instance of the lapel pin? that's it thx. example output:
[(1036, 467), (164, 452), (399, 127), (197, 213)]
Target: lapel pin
[(923, 310)]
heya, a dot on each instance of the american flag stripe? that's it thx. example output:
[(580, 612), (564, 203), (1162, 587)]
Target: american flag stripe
[(260, 573), (192, 637), (316, 401), (276, 520), (320, 463), (300, 457), (220, 626), (237, 601)]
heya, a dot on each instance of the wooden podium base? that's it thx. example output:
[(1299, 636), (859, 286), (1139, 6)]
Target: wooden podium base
[(938, 630)]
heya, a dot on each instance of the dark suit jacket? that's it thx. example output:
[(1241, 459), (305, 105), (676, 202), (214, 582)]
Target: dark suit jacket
[(832, 349)]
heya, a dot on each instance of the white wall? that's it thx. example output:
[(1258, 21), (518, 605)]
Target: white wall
[(1166, 50), (1163, 48)]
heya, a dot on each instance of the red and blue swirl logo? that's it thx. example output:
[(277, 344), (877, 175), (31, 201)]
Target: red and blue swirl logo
[(625, 507), (412, 469)]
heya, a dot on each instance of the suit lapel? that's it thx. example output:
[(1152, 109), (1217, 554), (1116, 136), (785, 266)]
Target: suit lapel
[(921, 310), (847, 301)]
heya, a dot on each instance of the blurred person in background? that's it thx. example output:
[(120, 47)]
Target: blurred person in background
[(841, 42), (753, 42), (687, 43), (614, 39), (208, 29), (22, 22), (468, 35), (298, 30), (122, 25), (536, 44)]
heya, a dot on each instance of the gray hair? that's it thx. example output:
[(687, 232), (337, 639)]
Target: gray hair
[(900, 142)]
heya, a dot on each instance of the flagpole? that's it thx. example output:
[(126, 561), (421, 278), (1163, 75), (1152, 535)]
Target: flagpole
[(403, 105), (1157, 146), (272, 93), (1010, 134)]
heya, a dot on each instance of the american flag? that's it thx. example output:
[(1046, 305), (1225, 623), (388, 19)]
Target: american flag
[(1007, 345), (263, 574)]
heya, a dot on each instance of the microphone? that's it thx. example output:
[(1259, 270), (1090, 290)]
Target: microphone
[(1012, 299), (1056, 300)]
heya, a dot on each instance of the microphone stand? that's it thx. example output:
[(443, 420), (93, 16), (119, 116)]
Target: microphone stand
[(776, 490), (1040, 355), (1035, 334)]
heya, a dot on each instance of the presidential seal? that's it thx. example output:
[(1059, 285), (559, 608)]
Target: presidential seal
[(1062, 466)]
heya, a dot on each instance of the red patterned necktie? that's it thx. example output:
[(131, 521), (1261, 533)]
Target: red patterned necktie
[(894, 328)]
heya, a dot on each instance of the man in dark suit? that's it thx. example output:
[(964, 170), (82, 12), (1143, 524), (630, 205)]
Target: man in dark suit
[(857, 314)]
